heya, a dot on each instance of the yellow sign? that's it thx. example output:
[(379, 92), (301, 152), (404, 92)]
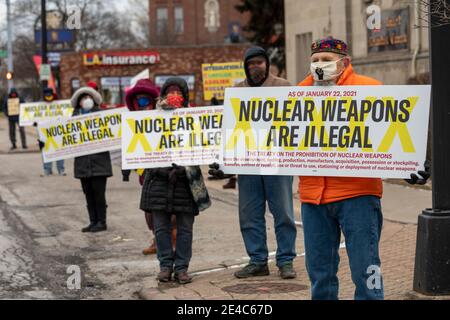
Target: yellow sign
[(13, 106), (219, 76)]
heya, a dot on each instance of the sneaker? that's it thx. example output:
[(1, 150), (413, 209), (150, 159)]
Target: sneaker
[(287, 271), (62, 174), (14, 147), (252, 270), (100, 226), (182, 277), (164, 275)]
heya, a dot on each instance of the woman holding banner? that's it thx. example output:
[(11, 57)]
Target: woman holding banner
[(93, 170), (142, 97), (175, 190)]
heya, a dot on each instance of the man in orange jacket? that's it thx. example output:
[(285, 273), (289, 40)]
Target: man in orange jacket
[(332, 204)]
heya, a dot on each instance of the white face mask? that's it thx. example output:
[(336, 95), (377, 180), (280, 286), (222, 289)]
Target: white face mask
[(325, 71), (87, 104)]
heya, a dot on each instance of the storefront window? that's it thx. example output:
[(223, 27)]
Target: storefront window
[(113, 90)]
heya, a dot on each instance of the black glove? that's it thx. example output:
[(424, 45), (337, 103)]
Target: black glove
[(126, 175), (217, 173), (179, 169), (424, 175), (41, 144)]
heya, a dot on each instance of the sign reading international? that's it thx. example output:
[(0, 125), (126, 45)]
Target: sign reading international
[(393, 34), (354, 131), (218, 76)]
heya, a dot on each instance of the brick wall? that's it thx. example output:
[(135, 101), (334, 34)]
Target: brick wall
[(174, 60), (195, 32)]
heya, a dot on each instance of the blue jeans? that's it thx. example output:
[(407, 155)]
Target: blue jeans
[(163, 234), (360, 220), (59, 167), (254, 192)]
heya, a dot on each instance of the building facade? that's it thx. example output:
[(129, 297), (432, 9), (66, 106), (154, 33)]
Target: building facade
[(113, 70), (184, 34), (386, 38), (195, 22)]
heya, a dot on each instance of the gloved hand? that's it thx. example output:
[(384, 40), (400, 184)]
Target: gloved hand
[(41, 144), (424, 175), (179, 169), (126, 175), (217, 173)]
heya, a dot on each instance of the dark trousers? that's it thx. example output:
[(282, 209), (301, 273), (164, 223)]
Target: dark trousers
[(12, 133), (94, 189)]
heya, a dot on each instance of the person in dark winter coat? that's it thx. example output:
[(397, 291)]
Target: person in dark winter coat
[(13, 119), (174, 190), (257, 190), (93, 170), (143, 96)]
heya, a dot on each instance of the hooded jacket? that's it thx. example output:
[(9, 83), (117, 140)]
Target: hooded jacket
[(270, 80), (143, 86), (180, 83), (93, 165), (5, 104), (323, 190), (175, 189)]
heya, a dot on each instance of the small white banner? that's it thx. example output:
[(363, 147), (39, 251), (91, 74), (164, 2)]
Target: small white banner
[(31, 113), (159, 138), (81, 135)]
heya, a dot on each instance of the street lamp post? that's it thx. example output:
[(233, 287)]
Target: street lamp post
[(43, 37), (10, 50), (432, 265)]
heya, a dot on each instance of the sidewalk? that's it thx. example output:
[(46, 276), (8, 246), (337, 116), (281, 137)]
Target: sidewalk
[(401, 207)]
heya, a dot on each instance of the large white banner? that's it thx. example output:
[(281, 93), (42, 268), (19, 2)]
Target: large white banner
[(81, 135), (159, 138), (352, 131), (34, 112)]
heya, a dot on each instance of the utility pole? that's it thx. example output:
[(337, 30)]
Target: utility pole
[(44, 38), (432, 266), (10, 50)]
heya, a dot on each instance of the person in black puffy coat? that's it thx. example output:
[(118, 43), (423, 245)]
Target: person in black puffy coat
[(174, 190), (93, 170)]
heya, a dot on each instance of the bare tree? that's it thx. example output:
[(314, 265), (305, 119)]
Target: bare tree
[(439, 10)]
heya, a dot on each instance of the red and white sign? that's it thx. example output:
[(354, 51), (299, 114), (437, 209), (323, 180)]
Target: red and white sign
[(120, 58)]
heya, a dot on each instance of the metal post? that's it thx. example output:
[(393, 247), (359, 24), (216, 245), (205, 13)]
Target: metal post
[(10, 50), (44, 37), (432, 265)]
